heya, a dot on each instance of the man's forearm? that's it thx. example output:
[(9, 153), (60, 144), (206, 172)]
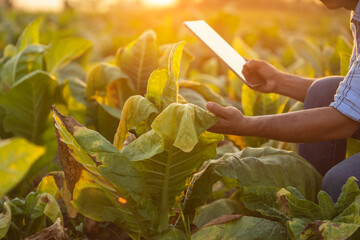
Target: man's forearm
[(313, 125), (293, 86)]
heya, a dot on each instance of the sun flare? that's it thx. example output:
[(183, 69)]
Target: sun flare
[(159, 3)]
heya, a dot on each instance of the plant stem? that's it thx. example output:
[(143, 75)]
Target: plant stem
[(164, 215)]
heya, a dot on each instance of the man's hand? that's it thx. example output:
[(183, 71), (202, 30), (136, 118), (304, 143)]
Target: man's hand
[(264, 76), (268, 79), (230, 119)]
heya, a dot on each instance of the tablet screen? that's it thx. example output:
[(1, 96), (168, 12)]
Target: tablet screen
[(219, 46)]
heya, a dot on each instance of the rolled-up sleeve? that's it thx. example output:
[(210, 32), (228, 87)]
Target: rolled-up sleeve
[(347, 98)]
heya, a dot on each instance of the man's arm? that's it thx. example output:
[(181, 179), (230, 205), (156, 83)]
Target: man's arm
[(313, 125), (268, 79)]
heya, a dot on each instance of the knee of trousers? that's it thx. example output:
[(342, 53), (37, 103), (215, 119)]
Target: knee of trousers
[(321, 92), (332, 183)]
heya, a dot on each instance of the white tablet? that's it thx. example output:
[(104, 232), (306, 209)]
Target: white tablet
[(219, 46)]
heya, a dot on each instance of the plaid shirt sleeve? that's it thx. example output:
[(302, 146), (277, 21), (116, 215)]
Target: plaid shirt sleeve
[(347, 98)]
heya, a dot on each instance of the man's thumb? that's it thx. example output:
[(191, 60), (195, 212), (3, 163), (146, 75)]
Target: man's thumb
[(216, 109)]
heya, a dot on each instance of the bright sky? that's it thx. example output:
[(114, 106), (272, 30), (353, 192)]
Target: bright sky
[(56, 5)]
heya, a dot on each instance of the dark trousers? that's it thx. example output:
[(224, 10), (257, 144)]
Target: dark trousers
[(328, 157)]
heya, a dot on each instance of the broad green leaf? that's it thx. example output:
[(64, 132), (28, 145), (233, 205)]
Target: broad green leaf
[(26, 61), (136, 110), (27, 105), (276, 168), (166, 173), (183, 123), (30, 35), (216, 209), (139, 59), (62, 51), (16, 156), (243, 227), (5, 219), (170, 92)]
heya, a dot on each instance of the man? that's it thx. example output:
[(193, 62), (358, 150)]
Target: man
[(331, 112)]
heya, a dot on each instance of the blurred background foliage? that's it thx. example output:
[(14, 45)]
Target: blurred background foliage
[(84, 48)]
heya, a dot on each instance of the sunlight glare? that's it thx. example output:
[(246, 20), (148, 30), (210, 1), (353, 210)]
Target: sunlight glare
[(159, 3)]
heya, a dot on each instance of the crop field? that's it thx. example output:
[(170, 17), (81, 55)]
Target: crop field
[(103, 124)]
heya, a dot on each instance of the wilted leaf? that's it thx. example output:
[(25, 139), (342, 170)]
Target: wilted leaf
[(5, 219), (54, 232)]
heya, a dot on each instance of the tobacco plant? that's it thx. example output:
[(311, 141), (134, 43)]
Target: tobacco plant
[(137, 185)]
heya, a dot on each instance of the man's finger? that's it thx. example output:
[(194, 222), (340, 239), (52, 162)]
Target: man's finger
[(216, 109)]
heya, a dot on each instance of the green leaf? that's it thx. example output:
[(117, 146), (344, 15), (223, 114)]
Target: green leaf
[(16, 157), (172, 234), (109, 169), (27, 105), (166, 173), (216, 209), (30, 35), (170, 92), (274, 168), (100, 76), (139, 59), (263, 199), (92, 201), (294, 207), (26, 61), (296, 226), (136, 110), (62, 51), (156, 85), (326, 204), (243, 227), (183, 123), (5, 219), (46, 204), (349, 192), (193, 97)]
